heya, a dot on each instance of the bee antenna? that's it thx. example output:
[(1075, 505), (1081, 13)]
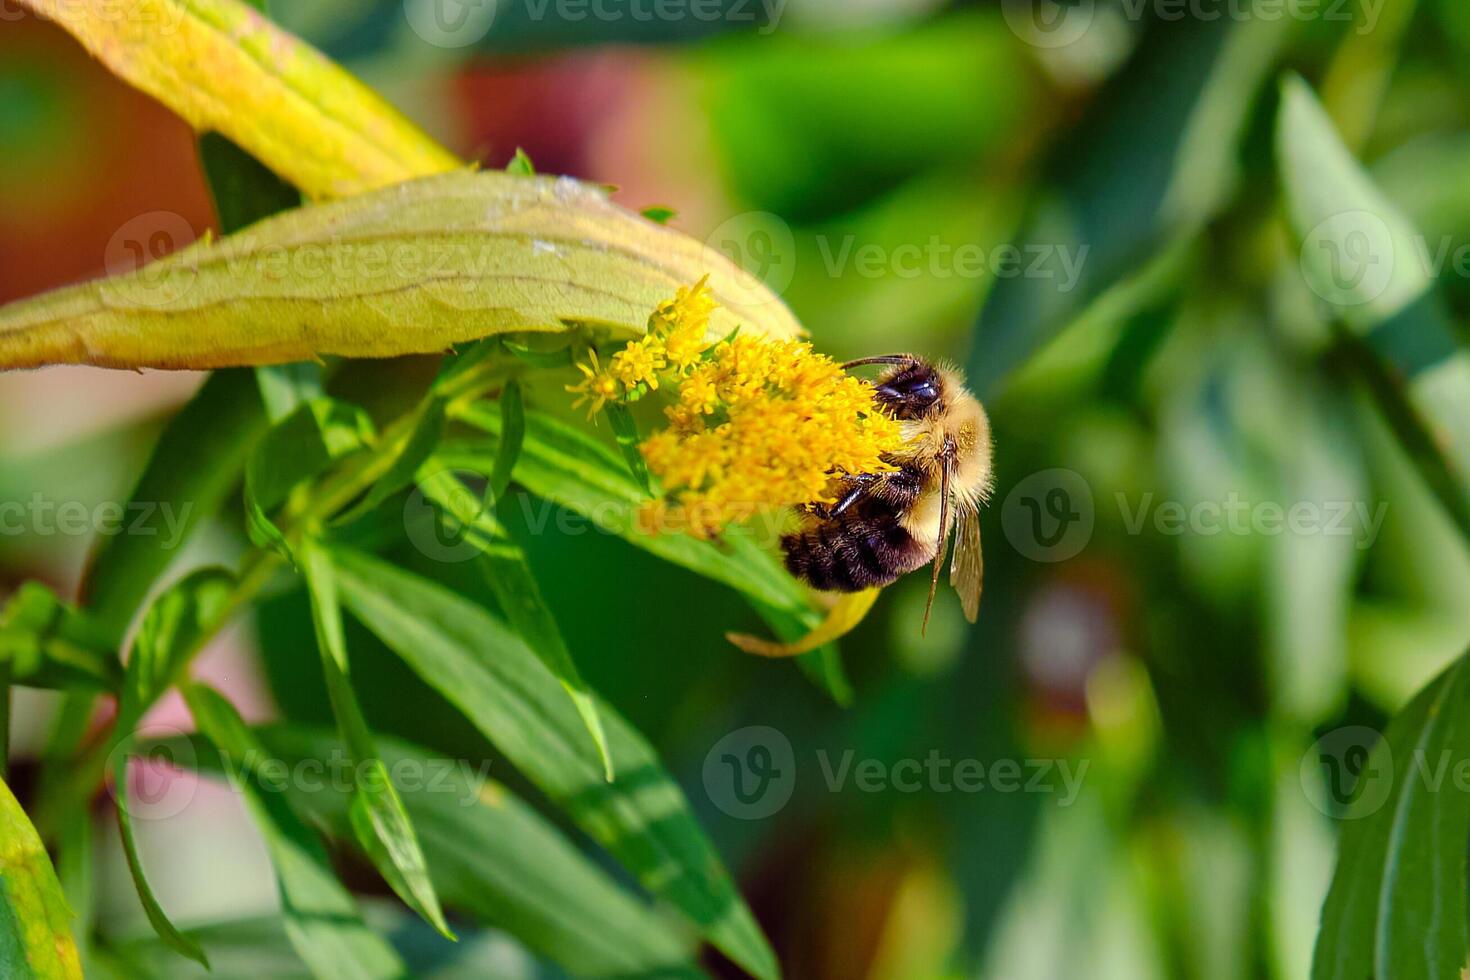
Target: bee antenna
[(882, 359)]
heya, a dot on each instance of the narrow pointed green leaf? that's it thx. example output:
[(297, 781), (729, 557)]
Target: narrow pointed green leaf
[(427, 431), (520, 164), (1397, 905), (1144, 172), (35, 923), (194, 467), (496, 860), (172, 630), (512, 436), (157, 917), (502, 686), (1362, 258), (568, 467), (321, 918), (378, 818), (286, 387), (297, 448), (625, 431), (509, 573)]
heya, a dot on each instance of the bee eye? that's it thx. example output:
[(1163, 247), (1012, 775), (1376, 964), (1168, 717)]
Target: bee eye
[(917, 390)]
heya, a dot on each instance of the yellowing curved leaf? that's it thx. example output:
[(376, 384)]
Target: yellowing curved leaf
[(223, 66), (410, 269), (35, 923), (846, 613)]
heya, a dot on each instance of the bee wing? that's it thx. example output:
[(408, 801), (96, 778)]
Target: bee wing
[(967, 574), (940, 546)]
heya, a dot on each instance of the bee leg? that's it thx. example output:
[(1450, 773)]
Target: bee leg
[(857, 484)]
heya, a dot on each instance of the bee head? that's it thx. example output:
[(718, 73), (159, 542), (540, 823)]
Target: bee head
[(911, 390)]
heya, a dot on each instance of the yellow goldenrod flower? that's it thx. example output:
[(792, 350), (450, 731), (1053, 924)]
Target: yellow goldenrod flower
[(595, 389), (683, 322), (757, 424), (639, 363)]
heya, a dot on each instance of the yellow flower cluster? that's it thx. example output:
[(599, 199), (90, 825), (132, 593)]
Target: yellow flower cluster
[(762, 424), (674, 343), (757, 424)]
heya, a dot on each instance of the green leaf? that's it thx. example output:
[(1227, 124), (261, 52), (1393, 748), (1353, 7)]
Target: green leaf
[(495, 859), (284, 388), (501, 686), (174, 627), (659, 214), (321, 918), (520, 164), (46, 643), (1362, 257), (411, 269), (1144, 172), (512, 437), (245, 192), (296, 449), (568, 467), (195, 465), (243, 188), (428, 429), (35, 923), (157, 918), (509, 573), (223, 67), (625, 432), (1397, 905), (378, 818), (303, 445)]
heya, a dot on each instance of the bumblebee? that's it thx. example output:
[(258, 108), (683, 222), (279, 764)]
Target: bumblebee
[(885, 525)]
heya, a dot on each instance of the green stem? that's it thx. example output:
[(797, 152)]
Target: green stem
[(355, 476)]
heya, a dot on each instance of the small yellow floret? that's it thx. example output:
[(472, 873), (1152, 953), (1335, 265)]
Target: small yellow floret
[(596, 388)]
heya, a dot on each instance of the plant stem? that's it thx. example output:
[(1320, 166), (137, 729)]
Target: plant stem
[(355, 476)]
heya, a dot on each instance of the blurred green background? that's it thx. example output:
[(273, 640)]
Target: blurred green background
[(1086, 214)]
